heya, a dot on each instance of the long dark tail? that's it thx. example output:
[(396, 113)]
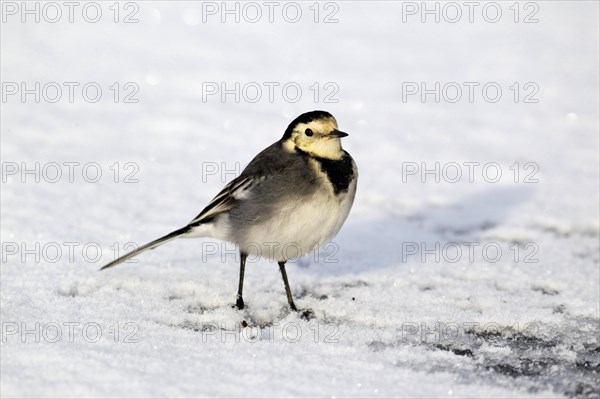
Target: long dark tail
[(151, 245)]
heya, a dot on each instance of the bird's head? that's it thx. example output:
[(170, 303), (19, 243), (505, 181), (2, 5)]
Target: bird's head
[(315, 133)]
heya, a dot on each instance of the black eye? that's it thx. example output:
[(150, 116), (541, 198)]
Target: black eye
[(308, 132)]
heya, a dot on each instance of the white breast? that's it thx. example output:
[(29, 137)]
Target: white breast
[(302, 226)]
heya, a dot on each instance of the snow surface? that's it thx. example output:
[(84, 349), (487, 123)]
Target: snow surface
[(387, 321)]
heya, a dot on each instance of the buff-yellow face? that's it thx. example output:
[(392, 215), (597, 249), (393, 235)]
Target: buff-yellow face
[(319, 137)]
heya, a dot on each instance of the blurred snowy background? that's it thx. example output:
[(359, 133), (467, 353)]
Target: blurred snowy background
[(480, 285)]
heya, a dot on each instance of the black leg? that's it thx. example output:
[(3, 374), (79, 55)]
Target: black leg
[(239, 303), (287, 286)]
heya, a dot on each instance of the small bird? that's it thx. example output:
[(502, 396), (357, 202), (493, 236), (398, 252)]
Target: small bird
[(292, 198)]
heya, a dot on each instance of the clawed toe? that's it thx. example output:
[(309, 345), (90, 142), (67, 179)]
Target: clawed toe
[(239, 304), (307, 314)]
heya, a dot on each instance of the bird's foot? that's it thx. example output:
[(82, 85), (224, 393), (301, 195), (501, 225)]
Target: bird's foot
[(239, 303), (306, 314)]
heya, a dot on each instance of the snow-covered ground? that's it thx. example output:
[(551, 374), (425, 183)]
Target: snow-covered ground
[(463, 287)]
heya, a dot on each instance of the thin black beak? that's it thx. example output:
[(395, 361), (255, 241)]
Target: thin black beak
[(337, 133)]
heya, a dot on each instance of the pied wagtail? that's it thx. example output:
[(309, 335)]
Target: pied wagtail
[(291, 199)]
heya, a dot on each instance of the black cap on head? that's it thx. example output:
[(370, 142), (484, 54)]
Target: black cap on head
[(305, 118)]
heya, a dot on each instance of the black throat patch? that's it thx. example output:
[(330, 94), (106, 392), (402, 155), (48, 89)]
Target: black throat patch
[(338, 171)]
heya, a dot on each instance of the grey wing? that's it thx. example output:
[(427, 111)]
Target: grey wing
[(236, 190), (268, 164)]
